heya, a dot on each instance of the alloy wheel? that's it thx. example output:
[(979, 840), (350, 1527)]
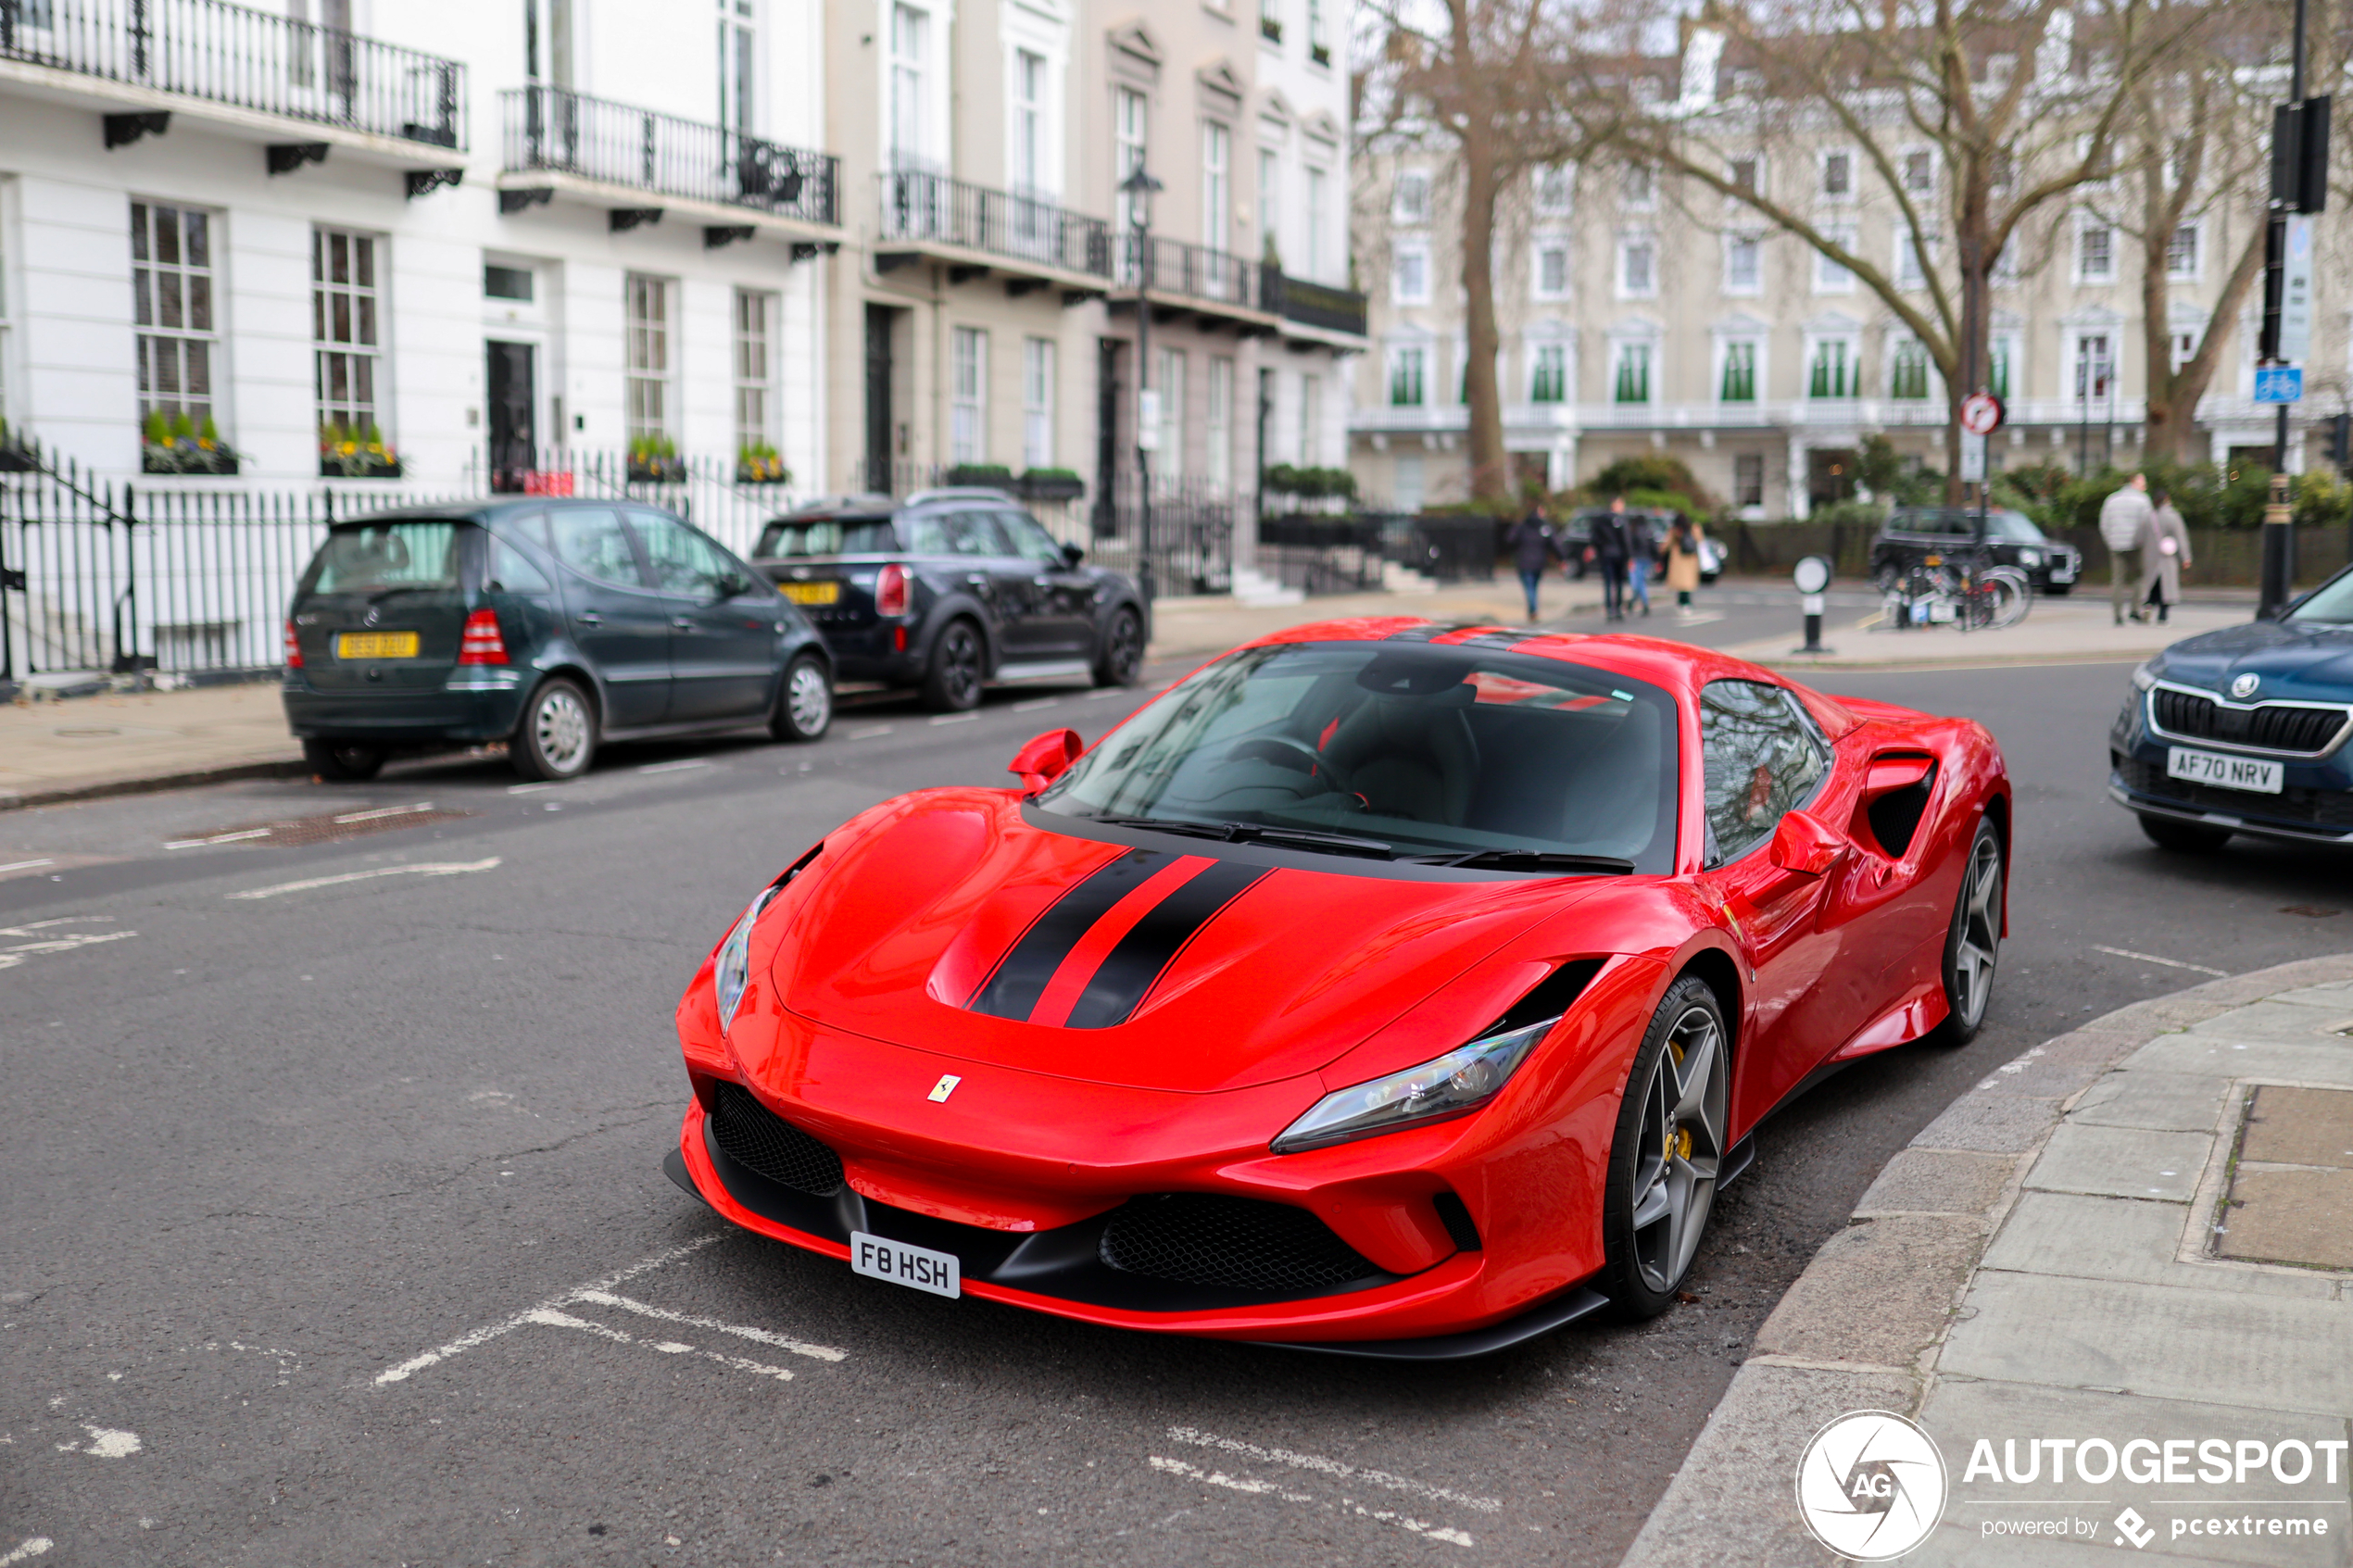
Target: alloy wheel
[(1123, 649), (1678, 1149), (809, 698), (1980, 933), (960, 665), (560, 727)]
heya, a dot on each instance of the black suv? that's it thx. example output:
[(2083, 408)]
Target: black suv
[(949, 589), (1911, 533)]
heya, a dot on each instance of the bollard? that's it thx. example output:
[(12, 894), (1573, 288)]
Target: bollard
[(1812, 577)]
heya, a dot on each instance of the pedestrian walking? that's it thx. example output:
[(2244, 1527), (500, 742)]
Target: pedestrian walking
[(2168, 552), (1534, 542), (1642, 552), (2124, 520), (1607, 550), (1683, 562)]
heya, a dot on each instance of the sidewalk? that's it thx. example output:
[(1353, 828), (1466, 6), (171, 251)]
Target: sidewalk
[(122, 742), (1194, 628), (2055, 632), (2142, 1230)]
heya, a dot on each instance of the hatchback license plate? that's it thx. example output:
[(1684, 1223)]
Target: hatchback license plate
[(2229, 773), (878, 1257), (811, 592), (376, 645)]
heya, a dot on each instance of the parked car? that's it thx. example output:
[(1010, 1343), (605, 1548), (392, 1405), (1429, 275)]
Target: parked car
[(1577, 532), (2243, 730), (948, 590), (1912, 533), (552, 625)]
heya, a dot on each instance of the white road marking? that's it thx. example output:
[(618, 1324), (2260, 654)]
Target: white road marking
[(869, 733), (106, 1442), (23, 866), (1332, 1467), (954, 719), (1379, 1515), (61, 942), (425, 868), (554, 1319), (383, 812), (528, 788), (798, 1348), (34, 1546), (673, 767), (217, 838), (2170, 963), (1032, 706), (1107, 691)]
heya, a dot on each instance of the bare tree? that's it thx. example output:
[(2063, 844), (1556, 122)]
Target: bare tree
[(1962, 122)]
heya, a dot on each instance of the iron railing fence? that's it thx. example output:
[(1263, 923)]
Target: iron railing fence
[(1192, 532), (1323, 554), (553, 129), (103, 575), (921, 206), (246, 58), (1312, 304), (1195, 272)]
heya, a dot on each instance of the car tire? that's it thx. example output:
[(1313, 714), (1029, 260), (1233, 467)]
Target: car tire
[(2183, 839), (1119, 659), (805, 702), (2058, 590), (1973, 941), (340, 761), (557, 739), (1666, 1153), (1886, 579), (959, 660)]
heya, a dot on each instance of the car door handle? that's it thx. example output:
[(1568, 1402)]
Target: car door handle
[(977, 578), (681, 623), (589, 617), (1043, 582)]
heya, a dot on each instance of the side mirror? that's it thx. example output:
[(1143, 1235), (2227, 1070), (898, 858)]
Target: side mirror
[(1073, 555), (1043, 760), (1807, 845)]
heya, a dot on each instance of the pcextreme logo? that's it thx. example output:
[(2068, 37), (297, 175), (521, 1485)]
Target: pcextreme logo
[(1871, 1485)]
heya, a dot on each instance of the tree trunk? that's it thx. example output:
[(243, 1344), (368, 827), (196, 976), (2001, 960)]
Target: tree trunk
[(1490, 472), (2174, 394)]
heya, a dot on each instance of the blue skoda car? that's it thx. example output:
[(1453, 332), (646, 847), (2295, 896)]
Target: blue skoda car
[(2243, 730)]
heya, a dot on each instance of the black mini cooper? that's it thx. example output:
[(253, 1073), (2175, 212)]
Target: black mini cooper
[(948, 590)]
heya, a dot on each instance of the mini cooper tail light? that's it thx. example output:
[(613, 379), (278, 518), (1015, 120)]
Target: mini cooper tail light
[(481, 642), (890, 590), (294, 649)]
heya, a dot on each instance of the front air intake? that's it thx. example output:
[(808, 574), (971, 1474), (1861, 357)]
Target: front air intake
[(753, 1136), (1236, 1242)]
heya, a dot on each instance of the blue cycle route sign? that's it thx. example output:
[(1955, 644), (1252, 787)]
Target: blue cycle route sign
[(2279, 384)]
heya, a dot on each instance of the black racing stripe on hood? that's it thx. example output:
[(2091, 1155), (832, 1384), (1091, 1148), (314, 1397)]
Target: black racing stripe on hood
[(1152, 944), (1020, 977), (1491, 637)]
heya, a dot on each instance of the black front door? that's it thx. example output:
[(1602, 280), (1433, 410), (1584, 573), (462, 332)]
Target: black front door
[(512, 400), (879, 397)]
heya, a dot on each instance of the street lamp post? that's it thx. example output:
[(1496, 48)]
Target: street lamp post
[(1138, 188)]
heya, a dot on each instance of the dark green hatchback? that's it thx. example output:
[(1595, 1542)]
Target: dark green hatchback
[(552, 625)]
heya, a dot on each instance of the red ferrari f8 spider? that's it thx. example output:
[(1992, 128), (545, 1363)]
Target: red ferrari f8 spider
[(1381, 988)]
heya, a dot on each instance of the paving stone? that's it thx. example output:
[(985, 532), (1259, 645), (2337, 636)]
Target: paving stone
[(2291, 1216), (2174, 1101), (2228, 1346), (2121, 1161), (2293, 1126), (1735, 1497), (2282, 1022), (1938, 1181), (2122, 1238), (2311, 1061), (2336, 996), (1877, 1293), (1959, 1413), (1990, 1124)]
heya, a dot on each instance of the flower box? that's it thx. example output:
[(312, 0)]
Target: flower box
[(651, 469), (993, 476), (349, 459), (179, 454), (1052, 484)]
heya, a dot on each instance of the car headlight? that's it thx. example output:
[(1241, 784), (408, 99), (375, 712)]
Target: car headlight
[(2145, 675), (1465, 1077), (731, 970), (2029, 557)]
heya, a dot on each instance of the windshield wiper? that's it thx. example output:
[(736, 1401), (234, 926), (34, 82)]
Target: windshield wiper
[(1259, 833), (1528, 861)]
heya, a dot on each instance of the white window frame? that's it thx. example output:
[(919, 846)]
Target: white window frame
[(1899, 345), (1904, 166), (1542, 250), (1131, 123), (1409, 200), (1736, 243), (1216, 184), (355, 344), (1725, 344), (1740, 459), (1832, 277), (1169, 377), (2174, 272), (2086, 227), (1638, 188), (2008, 350), (2078, 340), (1552, 190), (1318, 183), (181, 346), (908, 127), (1270, 198), (1629, 244), (1911, 269), (1541, 350), (738, 66), (1217, 422), (1311, 418), (1758, 165), (649, 356), (1038, 378), (1842, 160), (968, 394), (1029, 91), (1394, 362), (757, 314), (1409, 272), (1621, 350), (1850, 346)]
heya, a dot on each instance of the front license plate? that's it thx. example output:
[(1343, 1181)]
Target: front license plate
[(2229, 773), (376, 645), (811, 592), (878, 1257)]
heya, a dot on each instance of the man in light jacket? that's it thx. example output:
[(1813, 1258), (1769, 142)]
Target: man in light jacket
[(2124, 522)]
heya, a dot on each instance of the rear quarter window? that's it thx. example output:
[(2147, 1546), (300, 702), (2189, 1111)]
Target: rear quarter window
[(371, 557), (826, 537)]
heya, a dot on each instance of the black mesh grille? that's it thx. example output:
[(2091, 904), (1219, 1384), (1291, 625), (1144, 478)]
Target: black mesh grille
[(2271, 726), (752, 1135), (1239, 1243), (2322, 807)]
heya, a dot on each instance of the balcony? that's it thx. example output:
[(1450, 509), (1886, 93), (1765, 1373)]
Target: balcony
[(1331, 315), (978, 232), (1213, 284), (254, 70), (636, 163)]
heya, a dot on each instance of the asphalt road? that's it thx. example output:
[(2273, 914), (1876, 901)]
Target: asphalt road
[(265, 1150)]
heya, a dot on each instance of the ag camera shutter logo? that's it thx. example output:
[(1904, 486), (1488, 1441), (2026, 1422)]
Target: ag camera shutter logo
[(1871, 1485)]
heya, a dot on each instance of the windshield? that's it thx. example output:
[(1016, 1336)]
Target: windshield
[(2331, 602), (826, 537), (2016, 527), (373, 556), (1429, 752)]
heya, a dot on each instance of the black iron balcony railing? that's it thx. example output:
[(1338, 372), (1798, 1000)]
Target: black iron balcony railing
[(243, 58), (920, 205), (551, 130), (1310, 304), (1195, 272)]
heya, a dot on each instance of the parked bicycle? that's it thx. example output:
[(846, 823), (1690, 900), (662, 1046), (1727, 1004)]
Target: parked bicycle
[(1964, 589)]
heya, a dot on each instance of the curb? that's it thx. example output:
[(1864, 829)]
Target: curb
[(1862, 1327), (102, 789)]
